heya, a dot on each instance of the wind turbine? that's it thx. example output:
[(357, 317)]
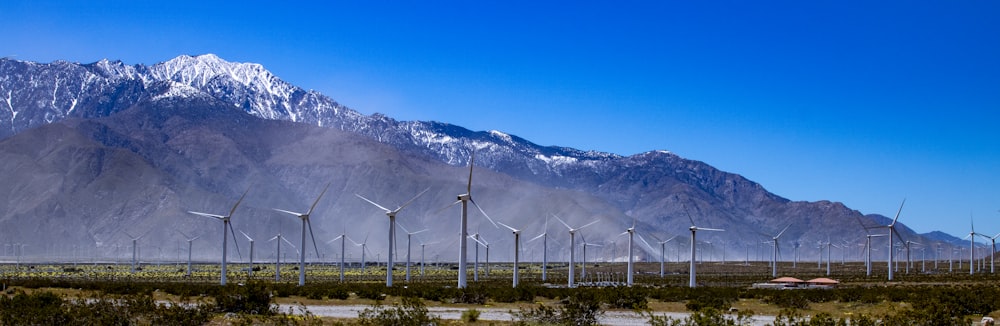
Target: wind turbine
[(631, 256), (545, 247), (694, 229), (343, 245), (409, 236), (892, 230), (774, 256), (306, 223), (583, 270), (868, 246), (663, 249), (517, 250), (993, 241), (277, 255), (189, 241), (481, 242), (250, 271), (572, 246), (225, 225), (972, 245), (463, 249), (391, 213), (364, 248), (135, 248)]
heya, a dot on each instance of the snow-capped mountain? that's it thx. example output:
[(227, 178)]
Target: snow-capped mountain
[(657, 188)]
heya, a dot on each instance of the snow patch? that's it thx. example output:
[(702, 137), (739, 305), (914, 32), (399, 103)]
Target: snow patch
[(179, 90), (556, 159)]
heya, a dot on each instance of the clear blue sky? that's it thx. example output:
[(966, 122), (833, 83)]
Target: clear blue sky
[(847, 101)]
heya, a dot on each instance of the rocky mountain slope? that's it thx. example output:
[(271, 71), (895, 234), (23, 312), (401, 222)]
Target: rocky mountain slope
[(107, 147)]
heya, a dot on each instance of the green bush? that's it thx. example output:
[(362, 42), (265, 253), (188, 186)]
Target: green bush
[(410, 311), (253, 298)]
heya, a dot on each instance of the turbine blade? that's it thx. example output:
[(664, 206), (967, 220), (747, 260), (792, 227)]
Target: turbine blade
[(313, 237), (130, 236), (238, 203), (290, 244), (897, 212), (411, 200), (318, 198), (208, 215), (421, 231), (400, 225), (507, 226), (561, 221), (245, 235), (707, 229), (335, 239), (644, 241), (484, 213), (536, 238), (447, 207), (289, 212), (472, 161), (373, 203), (688, 215), (588, 224), (236, 243), (185, 235), (272, 239), (782, 231), (863, 226)]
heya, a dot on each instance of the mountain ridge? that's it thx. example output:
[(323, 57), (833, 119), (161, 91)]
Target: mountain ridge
[(657, 188)]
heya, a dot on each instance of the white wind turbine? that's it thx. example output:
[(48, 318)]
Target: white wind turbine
[(250, 271), (572, 247), (225, 225), (694, 229), (343, 248), (409, 236), (545, 247), (189, 241), (306, 223), (663, 249), (972, 245), (774, 255), (277, 255), (993, 241), (868, 246), (391, 213), (585, 244), (631, 256), (517, 250), (422, 245), (463, 247), (892, 230), (482, 242), (135, 248), (364, 248)]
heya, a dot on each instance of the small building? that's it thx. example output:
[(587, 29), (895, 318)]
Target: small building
[(780, 283), (822, 283)]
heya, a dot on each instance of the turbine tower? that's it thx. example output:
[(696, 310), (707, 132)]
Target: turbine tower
[(225, 225), (572, 246), (343, 248), (517, 250), (892, 230), (774, 255), (545, 247), (391, 213), (364, 248), (277, 254), (631, 256), (409, 236), (250, 271), (463, 247), (306, 223), (189, 241), (135, 248), (694, 229), (663, 249), (583, 269)]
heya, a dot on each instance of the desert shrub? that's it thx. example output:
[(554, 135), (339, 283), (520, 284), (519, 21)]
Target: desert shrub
[(410, 311), (580, 309), (470, 316), (705, 317), (44, 308), (371, 291), (787, 299), (625, 297), (253, 298)]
